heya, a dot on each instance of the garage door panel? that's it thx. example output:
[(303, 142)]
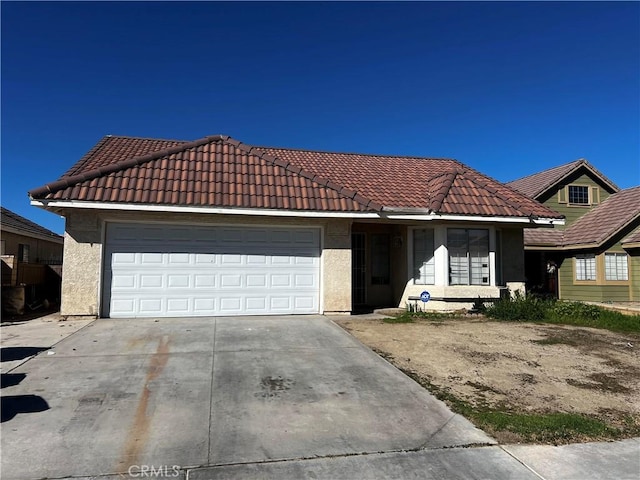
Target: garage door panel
[(164, 270)]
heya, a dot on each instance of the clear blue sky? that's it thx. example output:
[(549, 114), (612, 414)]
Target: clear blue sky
[(509, 88)]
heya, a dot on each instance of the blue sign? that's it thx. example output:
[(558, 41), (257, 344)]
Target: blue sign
[(425, 296)]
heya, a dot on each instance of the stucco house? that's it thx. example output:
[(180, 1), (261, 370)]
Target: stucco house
[(218, 227), (595, 255)]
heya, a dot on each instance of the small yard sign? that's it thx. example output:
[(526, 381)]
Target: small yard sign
[(425, 296)]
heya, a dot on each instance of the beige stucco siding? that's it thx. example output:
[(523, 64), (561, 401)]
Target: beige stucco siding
[(83, 253), (81, 265)]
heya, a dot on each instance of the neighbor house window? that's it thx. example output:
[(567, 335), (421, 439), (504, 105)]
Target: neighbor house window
[(424, 264), (585, 267), (380, 259), (615, 266), (23, 253), (578, 195), (3, 247), (468, 256)]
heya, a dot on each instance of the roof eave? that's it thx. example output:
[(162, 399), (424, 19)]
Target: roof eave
[(26, 233)]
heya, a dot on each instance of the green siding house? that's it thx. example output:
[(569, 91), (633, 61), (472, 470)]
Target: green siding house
[(595, 256)]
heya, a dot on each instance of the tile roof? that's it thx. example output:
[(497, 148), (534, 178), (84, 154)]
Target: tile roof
[(595, 227), (23, 225), (535, 185), (543, 237), (633, 238), (609, 218), (222, 172)]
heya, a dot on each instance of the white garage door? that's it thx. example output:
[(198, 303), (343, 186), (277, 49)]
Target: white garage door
[(173, 271)]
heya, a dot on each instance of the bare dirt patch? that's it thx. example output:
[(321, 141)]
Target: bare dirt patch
[(517, 367)]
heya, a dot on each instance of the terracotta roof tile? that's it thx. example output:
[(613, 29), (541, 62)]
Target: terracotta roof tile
[(536, 184), (223, 172)]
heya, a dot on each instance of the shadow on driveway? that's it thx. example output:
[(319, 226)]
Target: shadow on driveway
[(10, 354), (12, 405)]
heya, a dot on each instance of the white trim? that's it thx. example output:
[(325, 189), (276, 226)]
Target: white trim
[(477, 218), (187, 209), (288, 213)]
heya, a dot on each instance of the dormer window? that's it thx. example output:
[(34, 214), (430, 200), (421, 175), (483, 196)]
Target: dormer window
[(579, 195)]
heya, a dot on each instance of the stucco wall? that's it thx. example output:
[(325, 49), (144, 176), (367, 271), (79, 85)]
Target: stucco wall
[(81, 264), (83, 253)]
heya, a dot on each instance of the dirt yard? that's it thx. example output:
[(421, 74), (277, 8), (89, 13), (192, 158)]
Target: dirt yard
[(522, 367)]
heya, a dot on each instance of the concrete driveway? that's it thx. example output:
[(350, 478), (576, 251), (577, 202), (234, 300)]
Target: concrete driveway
[(204, 391), (201, 398)]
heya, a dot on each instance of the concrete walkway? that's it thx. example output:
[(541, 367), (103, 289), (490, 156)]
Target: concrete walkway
[(270, 397)]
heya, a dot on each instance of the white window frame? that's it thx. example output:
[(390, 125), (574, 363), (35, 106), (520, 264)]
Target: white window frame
[(616, 267), (425, 274), (469, 263), (585, 267)]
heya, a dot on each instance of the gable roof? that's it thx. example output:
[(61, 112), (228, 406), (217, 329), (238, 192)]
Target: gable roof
[(596, 227), (222, 172), (538, 183), (12, 222)]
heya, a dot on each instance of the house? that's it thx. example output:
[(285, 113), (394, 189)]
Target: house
[(218, 227), (595, 255), (31, 262)]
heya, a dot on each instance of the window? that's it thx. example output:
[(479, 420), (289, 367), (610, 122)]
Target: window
[(23, 253), (3, 247), (380, 259), (585, 267), (578, 195), (424, 265), (615, 266), (468, 256)]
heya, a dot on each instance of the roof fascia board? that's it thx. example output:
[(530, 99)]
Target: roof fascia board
[(629, 245), (49, 204), (548, 222), (25, 233)]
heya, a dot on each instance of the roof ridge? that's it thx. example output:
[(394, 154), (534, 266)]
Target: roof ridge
[(435, 203), (383, 155), (65, 182), (547, 170), (484, 180), (153, 139), (290, 167)]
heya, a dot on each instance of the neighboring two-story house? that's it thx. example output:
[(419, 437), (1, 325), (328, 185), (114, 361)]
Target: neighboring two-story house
[(31, 262), (595, 256)]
